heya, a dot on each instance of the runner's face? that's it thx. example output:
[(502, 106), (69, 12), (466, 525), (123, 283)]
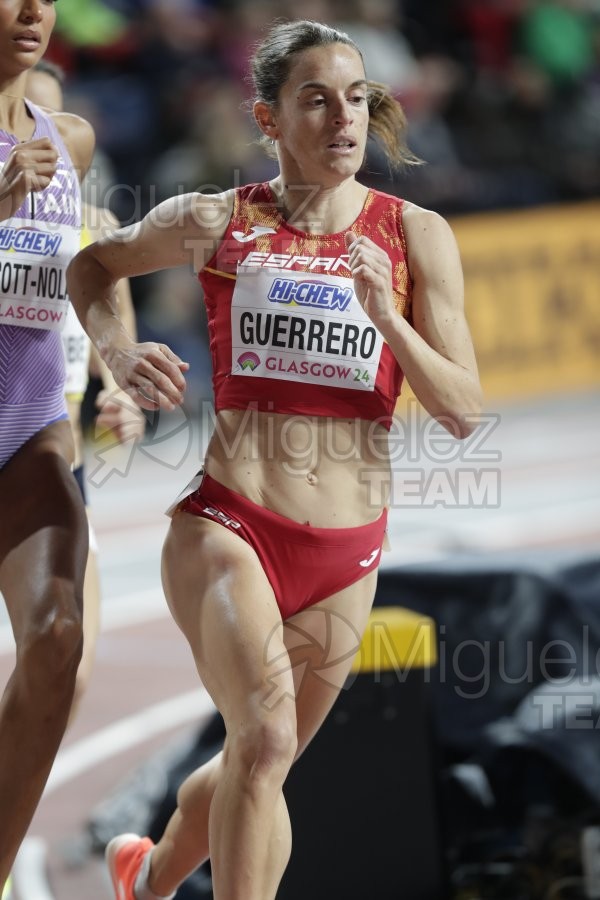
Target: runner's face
[(25, 29), (322, 116)]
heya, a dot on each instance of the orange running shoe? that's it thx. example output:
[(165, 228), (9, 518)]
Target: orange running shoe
[(124, 857)]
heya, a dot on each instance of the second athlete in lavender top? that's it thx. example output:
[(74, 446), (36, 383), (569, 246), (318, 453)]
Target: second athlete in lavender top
[(43, 528)]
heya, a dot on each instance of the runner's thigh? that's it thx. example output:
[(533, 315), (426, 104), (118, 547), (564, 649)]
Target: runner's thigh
[(43, 528)]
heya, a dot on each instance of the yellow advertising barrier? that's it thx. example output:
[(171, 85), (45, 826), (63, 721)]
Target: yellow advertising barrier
[(396, 639), (532, 289)]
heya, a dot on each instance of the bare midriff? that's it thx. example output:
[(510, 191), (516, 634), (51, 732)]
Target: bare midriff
[(327, 472)]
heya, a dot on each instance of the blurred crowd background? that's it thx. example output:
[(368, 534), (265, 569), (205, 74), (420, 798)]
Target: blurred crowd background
[(502, 99)]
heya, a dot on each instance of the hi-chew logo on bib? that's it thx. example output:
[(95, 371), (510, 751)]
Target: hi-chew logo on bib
[(318, 294), (32, 241), (296, 326)]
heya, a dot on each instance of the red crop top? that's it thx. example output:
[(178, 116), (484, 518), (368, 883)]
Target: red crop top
[(286, 331)]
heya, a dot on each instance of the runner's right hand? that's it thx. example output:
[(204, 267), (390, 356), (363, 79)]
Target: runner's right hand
[(30, 166), (150, 373)]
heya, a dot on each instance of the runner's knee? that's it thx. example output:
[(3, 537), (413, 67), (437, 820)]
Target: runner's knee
[(51, 649), (266, 745)]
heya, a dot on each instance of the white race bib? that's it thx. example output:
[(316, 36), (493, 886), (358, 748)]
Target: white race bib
[(190, 487), (300, 326), (76, 348), (33, 261)]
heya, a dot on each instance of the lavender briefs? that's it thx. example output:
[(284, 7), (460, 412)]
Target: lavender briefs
[(36, 245)]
